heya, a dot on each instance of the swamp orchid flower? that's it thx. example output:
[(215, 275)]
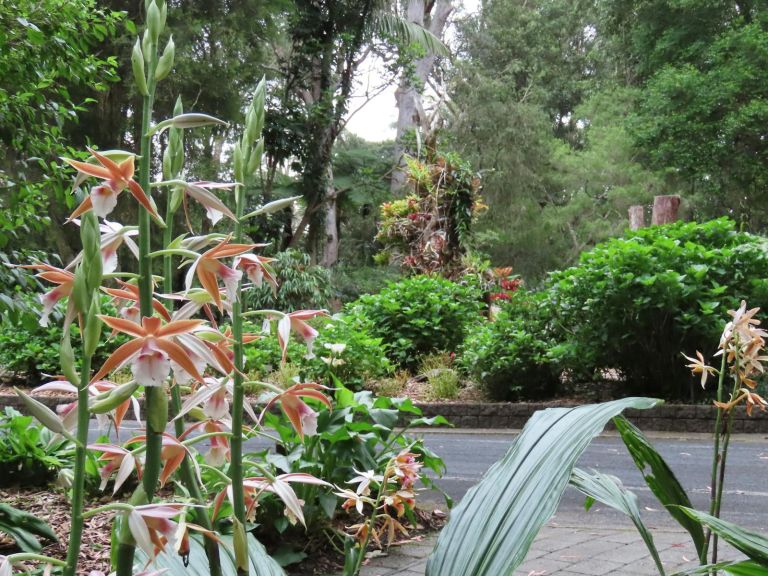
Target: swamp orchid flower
[(153, 528), (297, 322), (302, 417), (117, 177), (113, 236), (209, 269), (172, 454), (257, 269), (280, 486), (115, 458), (65, 281), (126, 299), (152, 349)]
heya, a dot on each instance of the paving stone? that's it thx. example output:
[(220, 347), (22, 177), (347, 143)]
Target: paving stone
[(546, 565), (596, 567), (624, 553)]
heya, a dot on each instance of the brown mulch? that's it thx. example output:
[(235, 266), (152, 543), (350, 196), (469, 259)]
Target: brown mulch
[(54, 508)]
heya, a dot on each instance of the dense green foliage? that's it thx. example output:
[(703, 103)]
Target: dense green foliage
[(29, 454), (362, 359), (300, 285), (361, 433), (420, 315), (510, 356), (634, 303)]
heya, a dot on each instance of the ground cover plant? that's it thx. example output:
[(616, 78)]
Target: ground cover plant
[(172, 517)]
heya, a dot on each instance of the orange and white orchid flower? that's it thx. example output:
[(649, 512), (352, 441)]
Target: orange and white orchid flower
[(65, 281), (218, 452), (212, 395), (68, 412), (117, 177), (153, 529), (172, 454), (296, 321), (126, 299), (152, 349), (257, 269), (302, 417), (280, 486), (115, 458), (215, 209), (209, 269), (113, 235)]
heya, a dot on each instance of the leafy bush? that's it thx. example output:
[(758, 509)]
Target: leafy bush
[(510, 356), (633, 304), (29, 350), (301, 285), (349, 283), (361, 433), (363, 357), (29, 454), (420, 315)]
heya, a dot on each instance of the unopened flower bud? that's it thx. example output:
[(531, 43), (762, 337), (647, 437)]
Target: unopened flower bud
[(157, 415), (92, 327), (237, 157), (165, 64), (137, 63), (147, 48), (154, 22), (67, 359), (254, 162)]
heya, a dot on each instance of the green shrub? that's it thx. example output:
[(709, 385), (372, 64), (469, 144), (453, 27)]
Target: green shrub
[(420, 315), (301, 286), (633, 304), (29, 350), (29, 454), (510, 356), (362, 359)]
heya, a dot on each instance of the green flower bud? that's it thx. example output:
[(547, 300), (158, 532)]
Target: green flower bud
[(92, 262), (157, 414), (137, 63), (176, 198), (81, 296), (114, 398), (167, 168), (163, 12), (237, 157), (147, 48), (92, 328), (165, 64), (67, 359), (254, 162), (154, 22), (240, 544)]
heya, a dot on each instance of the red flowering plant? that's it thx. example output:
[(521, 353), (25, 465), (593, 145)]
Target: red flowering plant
[(168, 347)]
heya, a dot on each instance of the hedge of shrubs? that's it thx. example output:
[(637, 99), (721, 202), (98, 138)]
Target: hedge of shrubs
[(628, 308)]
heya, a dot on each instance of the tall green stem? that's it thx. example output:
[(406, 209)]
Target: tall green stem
[(78, 485), (715, 459), (154, 396), (236, 442), (185, 471)]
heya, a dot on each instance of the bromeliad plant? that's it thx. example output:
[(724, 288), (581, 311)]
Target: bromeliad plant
[(491, 531), (166, 347)]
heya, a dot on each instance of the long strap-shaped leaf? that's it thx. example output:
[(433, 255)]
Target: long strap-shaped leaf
[(753, 544), (608, 490), (660, 479), (491, 530), (260, 562)]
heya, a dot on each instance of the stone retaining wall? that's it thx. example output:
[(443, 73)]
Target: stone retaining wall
[(664, 418)]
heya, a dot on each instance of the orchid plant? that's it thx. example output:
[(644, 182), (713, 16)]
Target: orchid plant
[(168, 348)]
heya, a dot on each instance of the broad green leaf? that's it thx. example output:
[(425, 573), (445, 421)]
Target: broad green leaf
[(753, 544), (608, 490), (259, 561), (23, 527), (660, 479), (493, 527)]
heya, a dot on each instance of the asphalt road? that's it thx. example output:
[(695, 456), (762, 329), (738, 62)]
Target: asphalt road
[(468, 454)]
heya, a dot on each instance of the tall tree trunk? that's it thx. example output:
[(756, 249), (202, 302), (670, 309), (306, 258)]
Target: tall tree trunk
[(433, 16), (330, 225)]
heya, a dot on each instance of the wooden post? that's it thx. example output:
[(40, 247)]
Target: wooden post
[(665, 209), (636, 217)]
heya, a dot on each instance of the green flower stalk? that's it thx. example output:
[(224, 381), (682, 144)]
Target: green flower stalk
[(247, 160), (86, 294)]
